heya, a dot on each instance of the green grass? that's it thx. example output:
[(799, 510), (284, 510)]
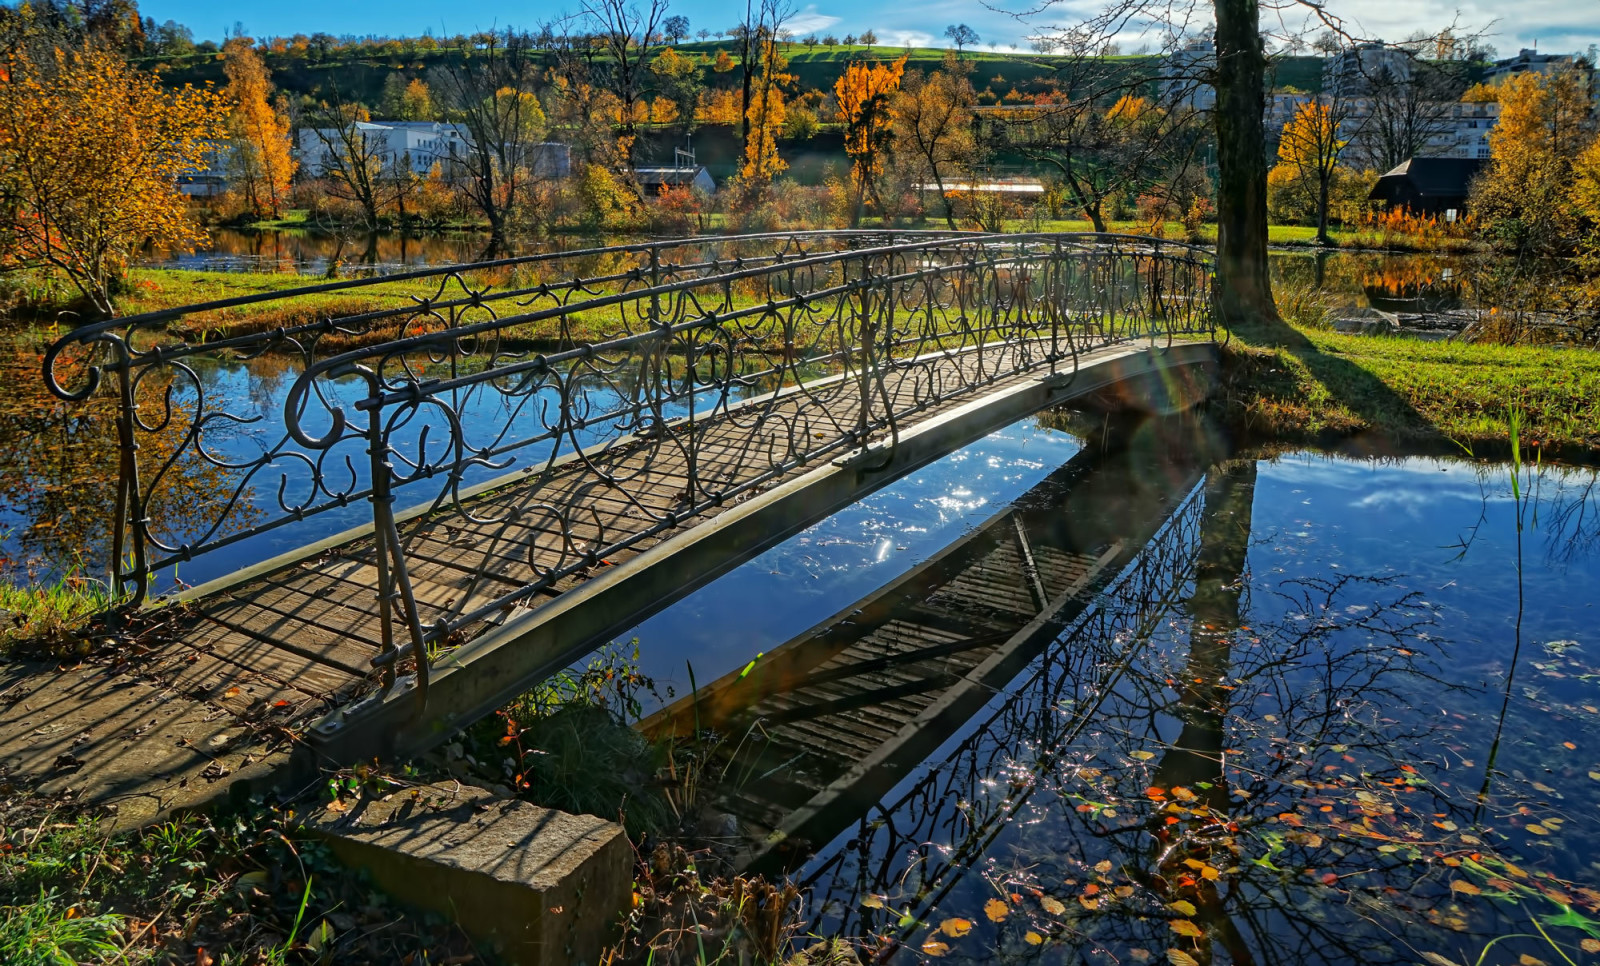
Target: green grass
[(248, 888), (1276, 234), (1297, 382), (45, 615)]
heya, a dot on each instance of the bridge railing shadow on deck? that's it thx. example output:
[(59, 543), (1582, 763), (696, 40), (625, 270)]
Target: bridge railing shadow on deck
[(662, 379)]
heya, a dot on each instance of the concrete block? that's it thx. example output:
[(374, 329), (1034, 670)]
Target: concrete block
[(544, 887)]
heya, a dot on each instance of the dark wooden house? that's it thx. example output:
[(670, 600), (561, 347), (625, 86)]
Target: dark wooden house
[(1428, 186)]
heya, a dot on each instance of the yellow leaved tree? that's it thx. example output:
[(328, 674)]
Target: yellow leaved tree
[(865, 92), (1523, 198), (1308, 156), (91, 152), (261, 163)]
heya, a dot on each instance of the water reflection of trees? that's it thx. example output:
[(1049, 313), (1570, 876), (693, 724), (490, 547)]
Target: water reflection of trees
[(1211, 783), (59, 470)]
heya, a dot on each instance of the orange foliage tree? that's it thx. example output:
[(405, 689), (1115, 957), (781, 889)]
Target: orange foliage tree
[(261, 161), (1308, 155), (864, 92), (1546, 122), (91, 151)]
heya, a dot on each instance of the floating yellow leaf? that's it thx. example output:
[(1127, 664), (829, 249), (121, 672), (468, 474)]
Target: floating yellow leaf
[(1139, 955), (1123, 891), (1590, 945), (935, 948), (1141, 755), (996, 910), (1538, 830), (1053, 905), (1209, 873), (1595, 775), (1463, 886), (1032, 938), (1089, 902), (955, 928), (1103, 867), (1184, 927), (872, 902), (1526, 960), (1183, 907), (1178, 957)]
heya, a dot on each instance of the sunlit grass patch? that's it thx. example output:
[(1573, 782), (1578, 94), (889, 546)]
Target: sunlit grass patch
[(1327, 383), (47, 613)]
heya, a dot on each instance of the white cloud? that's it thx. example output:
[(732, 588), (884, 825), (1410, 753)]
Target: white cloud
[(904, 38), (809, 21)]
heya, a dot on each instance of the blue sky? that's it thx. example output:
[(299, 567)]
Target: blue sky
[(1556, 25)]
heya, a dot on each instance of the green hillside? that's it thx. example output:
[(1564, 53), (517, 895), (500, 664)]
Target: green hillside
[(361, 76)]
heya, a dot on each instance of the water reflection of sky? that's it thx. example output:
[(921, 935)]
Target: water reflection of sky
[(1375, 674), (845, 557)]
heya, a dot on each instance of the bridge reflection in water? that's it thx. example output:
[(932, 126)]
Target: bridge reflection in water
[(869, 749)]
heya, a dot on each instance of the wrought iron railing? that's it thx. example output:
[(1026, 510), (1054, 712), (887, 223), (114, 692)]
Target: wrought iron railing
[(583, 372)]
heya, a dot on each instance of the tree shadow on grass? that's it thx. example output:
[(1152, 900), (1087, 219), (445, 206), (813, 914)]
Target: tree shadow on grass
[(1373, 402)]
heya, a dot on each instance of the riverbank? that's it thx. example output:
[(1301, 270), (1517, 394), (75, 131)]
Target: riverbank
[(1301, 385)]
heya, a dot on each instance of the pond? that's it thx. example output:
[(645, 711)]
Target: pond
[(1335, 710), (1390, 282)]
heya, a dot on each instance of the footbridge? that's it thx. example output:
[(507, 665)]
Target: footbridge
[(375, 510)]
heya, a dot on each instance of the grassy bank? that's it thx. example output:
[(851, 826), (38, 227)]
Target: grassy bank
[(1300, 384), (1286, 235), (245, 888)]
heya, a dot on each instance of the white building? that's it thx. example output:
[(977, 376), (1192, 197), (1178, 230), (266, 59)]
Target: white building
[(1352, 71), (421, 144), (1182, 74), (1527, 61)]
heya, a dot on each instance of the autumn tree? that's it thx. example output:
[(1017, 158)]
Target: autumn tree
[(489, 87), (628, 35), (932, 118), (678, 77), (354, 159), (763, 119), (758, 74), (407, 100), (91, 152), (864, 93), (1546, 121), (1101, 152), (261, 162), (1309, 152)]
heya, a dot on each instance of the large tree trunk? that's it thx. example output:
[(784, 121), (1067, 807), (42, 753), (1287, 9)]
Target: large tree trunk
[(1244, 293)]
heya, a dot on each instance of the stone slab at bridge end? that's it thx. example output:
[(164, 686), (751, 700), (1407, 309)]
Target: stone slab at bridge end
[(543, 887)]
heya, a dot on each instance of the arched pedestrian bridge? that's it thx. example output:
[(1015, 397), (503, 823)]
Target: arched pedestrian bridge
[(517, 460)]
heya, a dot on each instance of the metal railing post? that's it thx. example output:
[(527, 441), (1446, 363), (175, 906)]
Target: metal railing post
[(130, 510), (394, 583)]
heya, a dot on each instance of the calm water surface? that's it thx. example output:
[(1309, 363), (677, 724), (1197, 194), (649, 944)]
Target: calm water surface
[(1360, 723), (1391, 282)]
